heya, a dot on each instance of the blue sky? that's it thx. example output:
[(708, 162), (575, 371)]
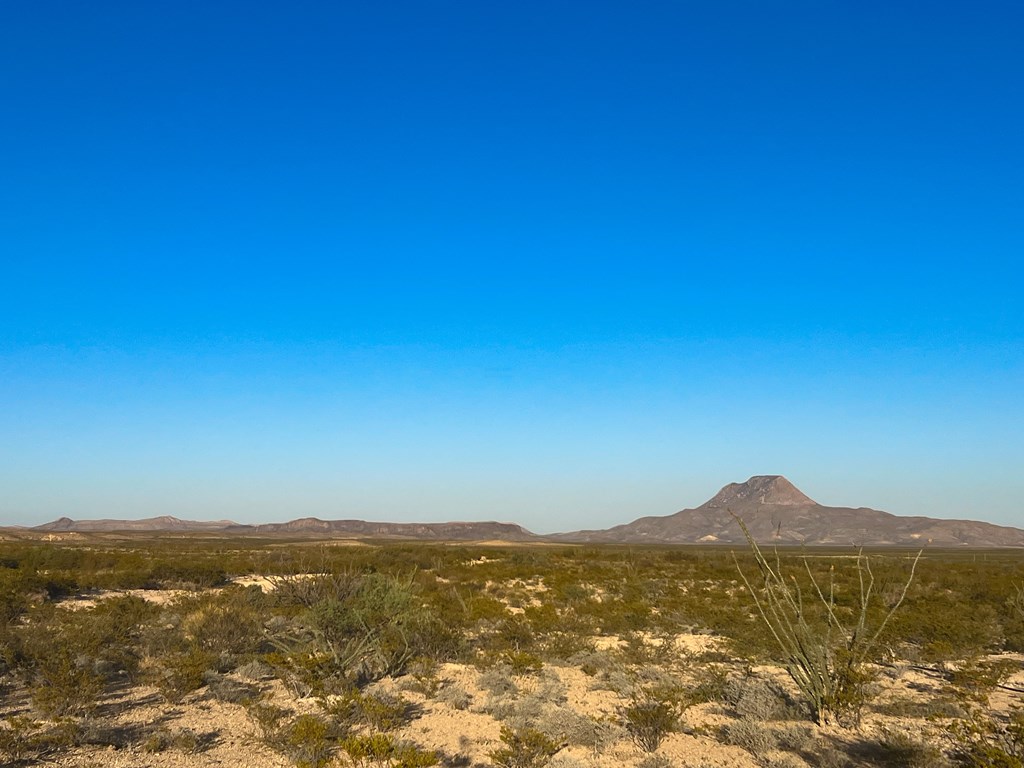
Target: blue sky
[(559, 263)]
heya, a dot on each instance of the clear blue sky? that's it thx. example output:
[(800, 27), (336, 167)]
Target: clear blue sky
[(559, 263)]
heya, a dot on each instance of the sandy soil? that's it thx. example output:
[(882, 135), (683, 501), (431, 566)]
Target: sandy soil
[(466, 737)]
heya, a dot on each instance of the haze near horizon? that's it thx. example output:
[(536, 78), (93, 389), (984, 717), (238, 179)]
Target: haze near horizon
[(552, 264)]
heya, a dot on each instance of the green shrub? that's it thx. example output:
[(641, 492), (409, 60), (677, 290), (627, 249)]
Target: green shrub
[(987, 740), (378, 750), (374, 626), (188, 574), (61, 686), (423, 672), (310, 672), (710, 684), (524, 748), (381, 711), (522, 663), (23, 739), (307, 740), (177, 674), (226, 624), (655, 761), (267, 719), (973, 682), (650, 717), (15, 594), (17, 738)]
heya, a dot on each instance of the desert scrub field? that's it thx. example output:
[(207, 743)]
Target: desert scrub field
[(206, 651)]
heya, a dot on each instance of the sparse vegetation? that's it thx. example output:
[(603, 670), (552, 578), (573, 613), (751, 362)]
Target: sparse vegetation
[(665, 639)]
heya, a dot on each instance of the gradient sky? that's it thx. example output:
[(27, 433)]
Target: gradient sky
[(565, 264)]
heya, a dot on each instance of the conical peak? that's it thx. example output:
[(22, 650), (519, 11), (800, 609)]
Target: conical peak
[(760, 489)]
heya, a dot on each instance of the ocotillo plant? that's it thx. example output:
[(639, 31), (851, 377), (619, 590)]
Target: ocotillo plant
[(825, 658)]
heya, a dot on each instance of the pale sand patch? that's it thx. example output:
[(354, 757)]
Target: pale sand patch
[(165, 596), (270, 583), (157, 596), (232, 738)]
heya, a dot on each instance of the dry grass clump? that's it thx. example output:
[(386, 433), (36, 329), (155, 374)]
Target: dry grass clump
[(596, 734), (900, 749), (562, 760), (749, 734), (498, 681), (184, 740), (757, 697), (454, 696), (797, 738), (655, 761)]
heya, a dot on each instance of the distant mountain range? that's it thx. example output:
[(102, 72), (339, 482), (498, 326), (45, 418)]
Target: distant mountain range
[(774, 510), (777, 512), (163, 523), (482, 531)]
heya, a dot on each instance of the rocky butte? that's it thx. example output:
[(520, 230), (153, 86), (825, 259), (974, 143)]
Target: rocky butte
[(777, 512)]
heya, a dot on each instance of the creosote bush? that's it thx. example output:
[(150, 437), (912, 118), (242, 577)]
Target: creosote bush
[(651, 716), (379, 710), (524, 748), (355, 628), (307, 740), (378, 750), (177, 674)]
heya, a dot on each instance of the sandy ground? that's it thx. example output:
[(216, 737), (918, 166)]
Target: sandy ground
[(465, 737)]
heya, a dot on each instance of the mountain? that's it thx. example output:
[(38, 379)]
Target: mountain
[(456, 531), (162, 523), (777, 512), (774, 510)]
